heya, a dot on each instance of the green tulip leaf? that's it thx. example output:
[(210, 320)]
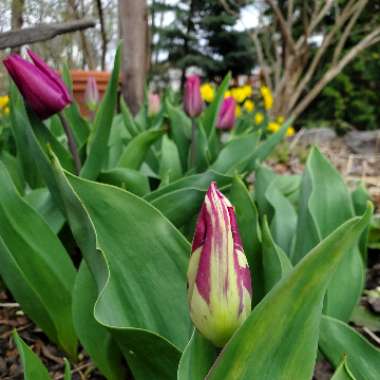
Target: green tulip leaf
[(338, 339), (95, 338), (323, 185), (137, 149), (276, 263), (132, 250), (180, 131), (343, 372), (35, 266), (290, 314), (128, 120), (182, 199), (197, 358), (13, 166), (97, 147), (129, 179), (170, 163), (33, 367), (249, 228), (210, 114), (236, 154)]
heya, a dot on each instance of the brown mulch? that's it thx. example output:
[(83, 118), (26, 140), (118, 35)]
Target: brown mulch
[(12, 318)]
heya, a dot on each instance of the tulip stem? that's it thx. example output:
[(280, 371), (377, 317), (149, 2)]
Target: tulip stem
[(71, 142), (193, 141)]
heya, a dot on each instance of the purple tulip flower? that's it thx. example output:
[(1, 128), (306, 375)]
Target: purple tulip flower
[(42, 88), (226, 117), (193, 100), (219, 279)]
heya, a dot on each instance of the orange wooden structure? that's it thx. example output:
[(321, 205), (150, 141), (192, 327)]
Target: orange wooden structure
[(79, 79)]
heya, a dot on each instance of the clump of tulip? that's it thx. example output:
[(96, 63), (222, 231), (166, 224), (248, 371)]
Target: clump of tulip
[(154, 104), (42, 88), (219, 279)]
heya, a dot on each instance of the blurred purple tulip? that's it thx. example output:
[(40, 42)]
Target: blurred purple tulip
[(42, 88), (226, 117), (91, 94), (193, 100)]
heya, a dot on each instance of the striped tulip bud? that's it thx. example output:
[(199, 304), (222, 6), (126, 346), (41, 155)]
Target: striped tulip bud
[(219, 280)]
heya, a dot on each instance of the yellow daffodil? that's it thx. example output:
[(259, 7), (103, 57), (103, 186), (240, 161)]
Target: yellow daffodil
[(247, 90), (4, 100), (290, 132), (280, 119), (227, 94), (237, 111), (207, 92), (249, 105), (259, 118), (238, 94), (267, 97), (273, 127)]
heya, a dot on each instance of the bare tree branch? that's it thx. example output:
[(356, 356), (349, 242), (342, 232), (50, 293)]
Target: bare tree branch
[(41, 32), (343, 39), (371, 39), (286, 32)]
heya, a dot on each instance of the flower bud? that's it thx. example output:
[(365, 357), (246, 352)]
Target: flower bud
[(91, 94), (154, 104), (219, 280), (193, 100), (227, 114), (42, 88)]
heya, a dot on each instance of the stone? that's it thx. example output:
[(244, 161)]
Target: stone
[(363, 142)]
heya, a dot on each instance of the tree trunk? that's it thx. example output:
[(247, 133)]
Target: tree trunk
[(133, 17), (103, 33), (17, 18)]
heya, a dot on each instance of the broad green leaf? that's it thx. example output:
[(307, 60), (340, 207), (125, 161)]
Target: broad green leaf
[(42, 202), (210, 114), (264, 177), (343, 372), (201, 159), (95, 338), (129, 179), (170, 163), (290, 314), (275, 262), (360, 197), (79, 125), (128, 120), (20, 123), (119, 139), (98, 139), (14, 168), (283, 222), (180, 131), (32, 365), (137, 149), (249, 228), (46, 138), (120, 236), (323, 185), (338, 339), (181, 200), (35, 266), (197, 358), (236, 154)]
